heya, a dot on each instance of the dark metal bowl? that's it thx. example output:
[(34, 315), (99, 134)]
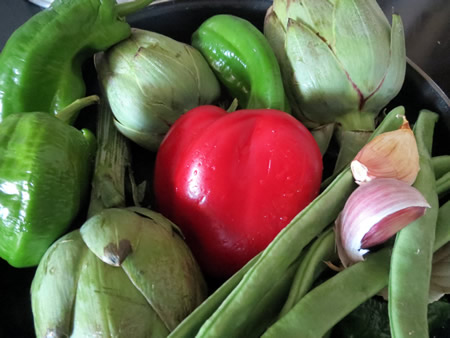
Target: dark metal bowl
[(179, 19)]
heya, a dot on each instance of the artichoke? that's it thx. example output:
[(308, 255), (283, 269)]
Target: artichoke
[(125, 273), (341, 61), (151, 80)]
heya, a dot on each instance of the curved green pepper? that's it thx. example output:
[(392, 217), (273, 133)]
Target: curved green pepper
[(41, 63), (243, 61), (45, 168)]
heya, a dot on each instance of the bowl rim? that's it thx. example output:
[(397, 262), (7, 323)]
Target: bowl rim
[(409, 62)]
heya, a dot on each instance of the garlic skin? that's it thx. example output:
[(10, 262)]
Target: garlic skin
[(440, 274), (389, 155), (373, 213)]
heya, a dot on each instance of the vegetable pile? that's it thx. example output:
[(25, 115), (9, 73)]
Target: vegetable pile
[(245, 183)]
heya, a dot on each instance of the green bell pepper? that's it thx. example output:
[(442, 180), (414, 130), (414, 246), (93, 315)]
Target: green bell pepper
[(45, 168)]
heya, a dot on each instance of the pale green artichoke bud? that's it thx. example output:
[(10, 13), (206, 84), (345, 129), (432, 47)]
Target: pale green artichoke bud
[(125, 273), (341, 61), (151, 80)]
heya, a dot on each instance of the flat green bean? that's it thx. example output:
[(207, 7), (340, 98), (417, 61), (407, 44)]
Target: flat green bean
[(190, 325), (323, 249), (230, 319), (323, 307), (442, 236), (409, 278), (441, 165), (258, 320), (443, 185)]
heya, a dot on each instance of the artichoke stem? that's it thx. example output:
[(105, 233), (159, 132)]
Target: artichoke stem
[(357, 121), (111, 163), (354, 129), (350, 143)]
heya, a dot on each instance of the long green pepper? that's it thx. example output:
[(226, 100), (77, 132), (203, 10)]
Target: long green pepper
[(243, 61), (41, 63)]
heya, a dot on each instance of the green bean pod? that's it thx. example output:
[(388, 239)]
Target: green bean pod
[(190, 325), (443, 185), (243, 61), (442, 227), (441, 165), (323, 249), (230, 319), (409, 278), (323, 307)]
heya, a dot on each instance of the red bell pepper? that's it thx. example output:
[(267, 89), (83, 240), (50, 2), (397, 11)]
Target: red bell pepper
[(232, 181)]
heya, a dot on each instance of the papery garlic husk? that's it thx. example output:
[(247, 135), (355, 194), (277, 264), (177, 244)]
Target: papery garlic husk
[(389, 155), (440, 274), (373, 213)]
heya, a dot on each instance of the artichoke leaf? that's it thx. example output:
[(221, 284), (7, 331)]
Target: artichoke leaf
[(362, 42), (158, 218), (108, 305), (146, 139), (395, 73), (57, 274), (324, 90), (169, 281), (316, 14), (276, 36)]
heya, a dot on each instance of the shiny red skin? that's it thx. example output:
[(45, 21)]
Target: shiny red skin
[(232, 181)]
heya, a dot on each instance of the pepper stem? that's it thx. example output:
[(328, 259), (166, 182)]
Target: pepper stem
[(68, 113), (127, 8)]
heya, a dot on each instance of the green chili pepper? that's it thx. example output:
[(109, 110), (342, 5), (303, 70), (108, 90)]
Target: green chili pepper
[(45, 167), (41, 63), (243, 61), (409, 278)]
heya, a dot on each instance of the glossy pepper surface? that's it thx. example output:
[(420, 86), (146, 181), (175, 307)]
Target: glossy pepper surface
[(41, 63), (232, 181), (243, 61), (45, 167)]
